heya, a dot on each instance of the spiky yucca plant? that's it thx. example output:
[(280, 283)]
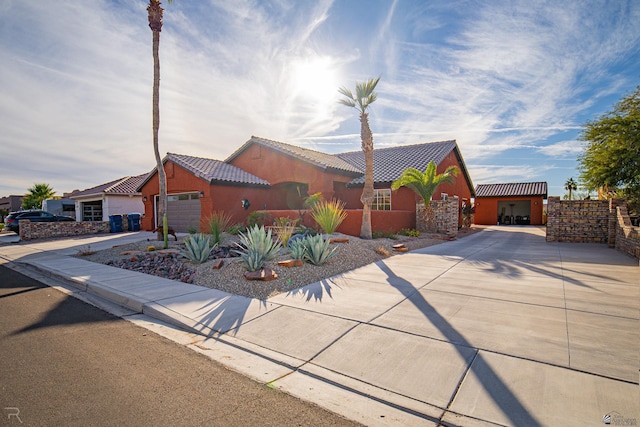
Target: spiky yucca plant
[(317, 249), (197, 248), (218, 222), (329, 215)]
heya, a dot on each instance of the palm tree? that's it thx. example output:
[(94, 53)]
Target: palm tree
[(571, 185), (424, 184), (36, 194), (155, 23), (365, 96)]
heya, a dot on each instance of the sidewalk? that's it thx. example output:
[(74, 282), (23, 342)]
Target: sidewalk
[(500, 327)]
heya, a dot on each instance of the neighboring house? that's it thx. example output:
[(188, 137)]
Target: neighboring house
[(516, 203), (272, 175), (113, 198), (60, 207), (10, 203)]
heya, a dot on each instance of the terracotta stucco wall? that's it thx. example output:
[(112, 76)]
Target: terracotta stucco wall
[(487, 209), (215, 197), (277, 168)]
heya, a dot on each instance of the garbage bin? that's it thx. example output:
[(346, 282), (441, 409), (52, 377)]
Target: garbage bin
[(134, 222), (115, 223)]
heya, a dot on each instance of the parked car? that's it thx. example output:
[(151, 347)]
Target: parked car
[(11, 221)]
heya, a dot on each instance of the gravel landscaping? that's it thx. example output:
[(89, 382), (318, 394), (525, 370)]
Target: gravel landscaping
[(230, 276)]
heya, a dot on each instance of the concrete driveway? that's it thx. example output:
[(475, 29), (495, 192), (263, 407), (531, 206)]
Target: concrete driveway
[(498, 328), (501, 327)]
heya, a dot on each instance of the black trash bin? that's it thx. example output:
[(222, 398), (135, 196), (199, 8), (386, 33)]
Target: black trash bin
[(115, 223), (134, 222)]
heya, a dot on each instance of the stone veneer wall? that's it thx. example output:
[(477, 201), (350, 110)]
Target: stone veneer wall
[(585, 221), (447, 213), (595, 221), (44, 230), (627, 236)]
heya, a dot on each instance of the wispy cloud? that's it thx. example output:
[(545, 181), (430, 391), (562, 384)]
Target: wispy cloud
[(77, 78)]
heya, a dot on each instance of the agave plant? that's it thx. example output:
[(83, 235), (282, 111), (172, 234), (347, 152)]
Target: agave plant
[(317, 249), (256, 247), (197, 248), (298, 248), (253, 260)]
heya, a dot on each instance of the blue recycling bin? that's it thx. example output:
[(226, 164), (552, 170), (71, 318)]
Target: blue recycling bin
[(134, 222), (115, 223)]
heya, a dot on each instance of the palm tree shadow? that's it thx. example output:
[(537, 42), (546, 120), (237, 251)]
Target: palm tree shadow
[(493, 385), (226, 314), (315, 291)]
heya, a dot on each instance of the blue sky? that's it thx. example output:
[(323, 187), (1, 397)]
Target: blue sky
[(511, 81)]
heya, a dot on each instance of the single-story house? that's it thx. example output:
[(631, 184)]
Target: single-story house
[(116, 197), (517, 203), (10, 203), (269, 175)]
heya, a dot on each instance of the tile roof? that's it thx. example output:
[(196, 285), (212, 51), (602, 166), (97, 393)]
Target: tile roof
[(215, 170), (317, 158), (122, 186), (388, 163), (512, 189)]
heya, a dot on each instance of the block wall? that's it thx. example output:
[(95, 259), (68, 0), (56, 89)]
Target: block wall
[(627, 236), (585, 221), (593, 221), (46, 230)]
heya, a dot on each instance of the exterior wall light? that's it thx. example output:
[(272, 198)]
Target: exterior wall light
[(245, 204)]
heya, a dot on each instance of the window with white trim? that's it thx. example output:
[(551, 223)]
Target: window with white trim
[(381, 199)]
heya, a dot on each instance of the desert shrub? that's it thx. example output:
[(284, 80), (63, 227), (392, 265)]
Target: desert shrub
[(256, 246), (384, 235), (312, 200), (328, 215), (409, 232), (285, 228), (317, 249), (259, 218), (236, 229), (197, 248)]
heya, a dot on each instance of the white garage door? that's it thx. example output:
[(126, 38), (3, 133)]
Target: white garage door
[(183, 211)]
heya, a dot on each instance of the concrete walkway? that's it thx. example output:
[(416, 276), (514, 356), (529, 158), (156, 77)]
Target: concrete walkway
[(498, 328)]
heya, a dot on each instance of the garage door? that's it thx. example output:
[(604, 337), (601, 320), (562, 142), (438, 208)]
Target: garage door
[(183, 211)]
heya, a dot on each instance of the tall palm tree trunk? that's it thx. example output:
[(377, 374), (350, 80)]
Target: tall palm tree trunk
[(155, 23), (367, 192)]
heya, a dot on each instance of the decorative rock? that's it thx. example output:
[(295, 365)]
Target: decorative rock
[(403, 249), (265, 274), (169, 251), (291, 263), (217, 265), (398, 246), (339, 240), (130, 253)]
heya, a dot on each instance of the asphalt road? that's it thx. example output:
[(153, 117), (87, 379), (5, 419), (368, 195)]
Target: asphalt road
[(65, 362)]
